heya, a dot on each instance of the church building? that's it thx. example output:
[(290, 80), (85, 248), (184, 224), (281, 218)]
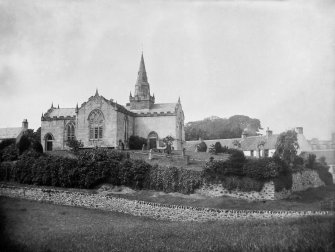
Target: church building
[(100, 122)]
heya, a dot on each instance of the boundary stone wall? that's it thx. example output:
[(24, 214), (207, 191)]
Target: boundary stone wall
[(300, 181), (142, 208)]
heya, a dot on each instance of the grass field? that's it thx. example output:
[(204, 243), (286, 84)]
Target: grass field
[(34, 226)]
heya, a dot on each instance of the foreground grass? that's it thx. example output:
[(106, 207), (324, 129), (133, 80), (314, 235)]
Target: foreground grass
[(34, 226)]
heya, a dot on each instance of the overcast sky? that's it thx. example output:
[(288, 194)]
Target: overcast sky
[(271, 60)]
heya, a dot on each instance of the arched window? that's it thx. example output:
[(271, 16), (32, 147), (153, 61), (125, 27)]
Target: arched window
[(70, 134), (96, 124), (48, 141)]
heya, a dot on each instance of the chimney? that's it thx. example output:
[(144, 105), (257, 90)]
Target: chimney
[(268, 132), (299, 130), (24, 124)]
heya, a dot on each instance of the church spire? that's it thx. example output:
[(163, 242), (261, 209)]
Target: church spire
[(142, 74), (96, 92)]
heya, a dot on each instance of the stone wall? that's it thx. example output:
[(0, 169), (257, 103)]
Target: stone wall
[(300, 181), (306, 179), (141, 208), (217, 190)]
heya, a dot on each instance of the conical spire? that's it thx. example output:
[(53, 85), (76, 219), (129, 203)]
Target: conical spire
[(142, 74), (96, 92)]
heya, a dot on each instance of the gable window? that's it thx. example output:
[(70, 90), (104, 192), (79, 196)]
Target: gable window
[(96, 122), (70, 134)]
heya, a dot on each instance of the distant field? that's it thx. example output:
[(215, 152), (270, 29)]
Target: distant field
[(34, 226)]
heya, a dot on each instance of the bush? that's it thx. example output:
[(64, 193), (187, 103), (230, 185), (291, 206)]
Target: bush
[(324, 174), (37, 146), (283, 181), (173, 179), (74, 145), (235, 162), (9, 153), (216, 148), (261, 169), (23, 144), (202, 147), (6, 143), (136, 142)]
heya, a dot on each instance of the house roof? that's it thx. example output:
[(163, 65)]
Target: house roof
[(328, 154), (10, 132), (248, 143), (157, 108)]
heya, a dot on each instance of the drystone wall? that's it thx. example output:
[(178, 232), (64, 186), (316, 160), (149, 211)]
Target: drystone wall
[(306, 179), (300, 181), (217, 190), (142, 208)]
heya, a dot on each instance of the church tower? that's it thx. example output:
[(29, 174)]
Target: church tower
[(142, 98)]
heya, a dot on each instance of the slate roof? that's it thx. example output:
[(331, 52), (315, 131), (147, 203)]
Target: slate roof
[(62, 112), (157, 108), (328, 154), (10, 132), (248, 143)]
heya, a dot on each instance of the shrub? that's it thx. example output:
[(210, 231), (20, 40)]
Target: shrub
[(37, 146), (215, 170), (136, 142), (6, 143), (216, 148), (324, 174), (9, 153), (74, 145), (283, 181), (202, 147), (261, 169), (23, 143), (173, 179), (235, 162)]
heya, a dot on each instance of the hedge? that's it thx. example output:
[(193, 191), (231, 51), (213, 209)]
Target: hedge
[(93, 167)]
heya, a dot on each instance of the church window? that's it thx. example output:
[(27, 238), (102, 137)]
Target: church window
[(70, 132), (96, 121)]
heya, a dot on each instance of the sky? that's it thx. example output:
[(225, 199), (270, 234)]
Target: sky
[(271, 60)]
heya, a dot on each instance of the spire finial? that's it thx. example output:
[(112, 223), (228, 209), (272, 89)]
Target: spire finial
[(52, 104), (96, 92), (130, 94), (179, 99), (77, 108), (58, 106)]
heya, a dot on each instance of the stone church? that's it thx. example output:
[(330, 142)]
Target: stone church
[(100, 122)]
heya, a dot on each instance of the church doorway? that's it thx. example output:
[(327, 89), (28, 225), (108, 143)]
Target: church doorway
[(48, 142), (152, 140)]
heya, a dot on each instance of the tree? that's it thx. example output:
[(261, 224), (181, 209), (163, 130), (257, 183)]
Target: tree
[(218, 128), (287, 146), (216, 148), (168, 140)]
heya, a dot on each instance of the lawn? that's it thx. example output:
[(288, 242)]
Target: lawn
[(34, 226)]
